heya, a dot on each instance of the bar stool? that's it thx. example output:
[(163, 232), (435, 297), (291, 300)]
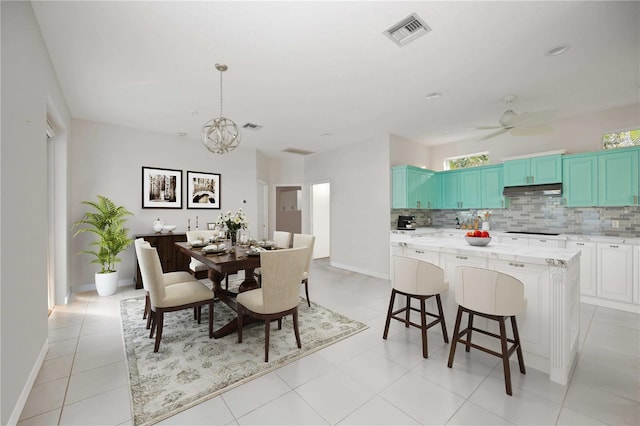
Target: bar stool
[(495, 296), (420, 280)]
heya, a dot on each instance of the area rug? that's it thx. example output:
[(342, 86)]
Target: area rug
[(191, 368)]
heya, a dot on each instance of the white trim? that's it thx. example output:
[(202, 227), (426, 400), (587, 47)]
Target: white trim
[(537, 154), (613, 304), (92, 286), (26, 390)]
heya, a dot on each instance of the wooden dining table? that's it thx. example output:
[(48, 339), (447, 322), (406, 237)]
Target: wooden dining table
[(219, 266)]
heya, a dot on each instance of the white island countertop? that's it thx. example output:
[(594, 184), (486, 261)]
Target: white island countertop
[(550, 256)]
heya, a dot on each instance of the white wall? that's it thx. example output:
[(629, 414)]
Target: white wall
[(403, 151), (577, 134), (108, 160), (360, 203), (28, 85)]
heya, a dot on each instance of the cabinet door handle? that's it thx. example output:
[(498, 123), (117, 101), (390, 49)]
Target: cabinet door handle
[(533, 179), (418, 204), (428, 204), (517, 265), (612, 246), (543, 241), (501, 203), (419, 252), (635, 199), (579, 244), (462, 257)]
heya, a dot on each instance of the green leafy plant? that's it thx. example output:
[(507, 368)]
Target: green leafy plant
[(107, 222)]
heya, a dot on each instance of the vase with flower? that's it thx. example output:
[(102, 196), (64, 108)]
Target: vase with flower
[(232, 222)]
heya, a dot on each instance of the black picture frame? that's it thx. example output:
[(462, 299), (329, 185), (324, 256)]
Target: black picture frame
[(203, 190), (161, 188)]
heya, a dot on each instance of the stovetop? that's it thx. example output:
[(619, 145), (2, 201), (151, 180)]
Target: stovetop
[(531, 233)]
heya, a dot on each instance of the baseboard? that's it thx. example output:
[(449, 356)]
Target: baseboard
[(359, 270), (92, 286), (613, 304), (26, 390)]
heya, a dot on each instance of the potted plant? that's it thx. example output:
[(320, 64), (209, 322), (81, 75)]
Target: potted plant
[(106, 221)]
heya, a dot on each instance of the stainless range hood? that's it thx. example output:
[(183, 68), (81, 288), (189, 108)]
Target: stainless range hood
[(517, 191)]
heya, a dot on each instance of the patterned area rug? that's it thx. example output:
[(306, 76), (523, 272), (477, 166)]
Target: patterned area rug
[(191, 368)]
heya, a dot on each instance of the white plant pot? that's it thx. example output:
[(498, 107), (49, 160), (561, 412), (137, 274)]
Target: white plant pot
[(107, 284)]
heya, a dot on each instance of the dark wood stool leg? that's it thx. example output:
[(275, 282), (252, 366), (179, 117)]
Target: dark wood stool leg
[(423, 320), (456, 336), (389, 312), (505, 356), (469, 326), (516, 338), (408, 312), (442, 322)]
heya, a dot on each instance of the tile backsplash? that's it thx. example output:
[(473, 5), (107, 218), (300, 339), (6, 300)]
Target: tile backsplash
[(542, 213)]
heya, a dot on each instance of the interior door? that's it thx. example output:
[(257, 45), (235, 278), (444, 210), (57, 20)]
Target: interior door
[(321, 219)]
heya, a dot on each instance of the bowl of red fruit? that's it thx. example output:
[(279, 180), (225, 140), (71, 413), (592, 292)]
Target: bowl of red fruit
[(477, 238)]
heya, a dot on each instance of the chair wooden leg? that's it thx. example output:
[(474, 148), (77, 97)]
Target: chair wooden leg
[(516, 338), (306, 291), (505, 356), (389, 313), (279, 323), (199, 314), (149, 317), (296, 330), (469, 326), (267, 328), (442, 321), (151, 320), (423, 320), (456, 336), (147, 306), (159, 324), (226, 282)]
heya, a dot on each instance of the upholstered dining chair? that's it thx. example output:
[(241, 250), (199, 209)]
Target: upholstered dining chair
[(197, 268), (496, 296), (308, 241), (169, 278), (279, 295), (175, 297), (417, 279), (282, 239)]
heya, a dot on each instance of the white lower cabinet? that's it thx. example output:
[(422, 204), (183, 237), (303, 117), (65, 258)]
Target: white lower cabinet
[(588, 265), (421, 254), (615, 272), (636, 275), (533, 323)]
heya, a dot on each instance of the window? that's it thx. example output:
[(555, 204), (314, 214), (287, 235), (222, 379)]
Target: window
[(621, 139), (465, 161)]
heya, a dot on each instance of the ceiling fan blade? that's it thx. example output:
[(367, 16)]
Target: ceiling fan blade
[(488, 127), (531, 131), (534, 119), (493, 135)]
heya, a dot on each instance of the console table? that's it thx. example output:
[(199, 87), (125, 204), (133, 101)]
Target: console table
[(171, 258)]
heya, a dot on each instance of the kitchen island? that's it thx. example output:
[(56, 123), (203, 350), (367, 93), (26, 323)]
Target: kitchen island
[(550, 325)]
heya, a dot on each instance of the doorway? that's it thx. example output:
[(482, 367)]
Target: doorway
[(288, 213), (321, 219)]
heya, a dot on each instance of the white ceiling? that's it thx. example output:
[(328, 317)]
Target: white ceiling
[(306, 69)]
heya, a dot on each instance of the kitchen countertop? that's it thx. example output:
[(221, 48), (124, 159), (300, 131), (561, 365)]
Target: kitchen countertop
[(537, 255), (422, 231)]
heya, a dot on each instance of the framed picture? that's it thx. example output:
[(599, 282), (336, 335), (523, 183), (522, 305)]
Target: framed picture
[(211, 226), (161, 188), (203, 190)]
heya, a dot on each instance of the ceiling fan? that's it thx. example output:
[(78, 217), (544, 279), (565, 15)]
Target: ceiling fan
[(524, 124)]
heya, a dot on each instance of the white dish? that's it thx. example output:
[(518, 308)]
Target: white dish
[(169, 228), (477, 241)]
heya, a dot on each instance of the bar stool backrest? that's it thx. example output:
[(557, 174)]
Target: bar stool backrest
[(489, 292), (413, 276)]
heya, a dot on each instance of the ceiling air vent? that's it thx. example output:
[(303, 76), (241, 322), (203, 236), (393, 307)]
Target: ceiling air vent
[(252, 126), (407, 30), (297, 151)]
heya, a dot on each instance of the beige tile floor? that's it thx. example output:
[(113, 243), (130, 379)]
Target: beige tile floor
[(362, 380)]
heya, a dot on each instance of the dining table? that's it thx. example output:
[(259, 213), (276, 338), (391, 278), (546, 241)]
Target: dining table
[(223, 263)]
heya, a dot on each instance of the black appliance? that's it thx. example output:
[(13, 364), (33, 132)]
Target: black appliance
[(407, 223), (547, 189)]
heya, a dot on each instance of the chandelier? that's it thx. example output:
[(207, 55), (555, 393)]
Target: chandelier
[(220, 135)]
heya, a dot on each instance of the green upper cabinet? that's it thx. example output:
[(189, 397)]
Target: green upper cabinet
[(491, 184), (533, 170), (580, 180), (410, 187), (618, 177), (460, 189)]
